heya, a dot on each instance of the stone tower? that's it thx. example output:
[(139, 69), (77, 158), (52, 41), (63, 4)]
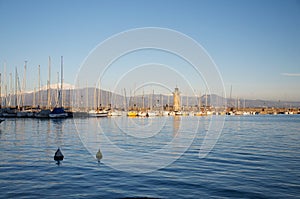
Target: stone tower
[(176, 100)]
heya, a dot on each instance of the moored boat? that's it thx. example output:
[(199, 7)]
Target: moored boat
[(132, 114), (142, 114), (43, 113), (115, 113), (166, 113), (58, 112), (98, 113)]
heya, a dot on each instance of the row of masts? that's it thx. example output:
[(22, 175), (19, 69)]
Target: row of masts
[(18, 91), (20, 88)]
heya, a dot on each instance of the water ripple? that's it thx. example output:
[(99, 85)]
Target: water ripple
[(255, 157)]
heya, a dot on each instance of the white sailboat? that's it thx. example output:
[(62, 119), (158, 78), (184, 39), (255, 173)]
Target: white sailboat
[(98, 111)]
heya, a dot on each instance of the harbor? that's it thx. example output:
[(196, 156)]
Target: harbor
[(62, 100), (149, 99), (140, 106)]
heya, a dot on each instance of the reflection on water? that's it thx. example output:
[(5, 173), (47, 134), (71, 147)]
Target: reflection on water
[(138, 145), (176, 125), (255, 157), (58, 125)]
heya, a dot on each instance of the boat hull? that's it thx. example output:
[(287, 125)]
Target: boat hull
[(58, 115), (132, 114), (98, 113)]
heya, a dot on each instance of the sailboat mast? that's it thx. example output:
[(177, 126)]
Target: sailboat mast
[(168, 102), (200, 100), (5, 85), (33, 97), (11, 89), (39, 85), (0, 92), (125, 100), (205, 101), (99, 96), (162, 102), (87, 97), (49, 79), (230, 96), (57, 103), (24, 85), (143, 98), (187, 102), (16, 87), (61, 85), (95, 97)]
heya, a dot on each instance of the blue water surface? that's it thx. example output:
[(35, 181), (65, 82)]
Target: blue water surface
[(255, 157)]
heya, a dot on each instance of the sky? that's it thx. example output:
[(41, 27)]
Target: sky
[(254, 44)]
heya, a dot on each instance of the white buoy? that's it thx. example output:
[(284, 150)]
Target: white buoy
[(99, 155)]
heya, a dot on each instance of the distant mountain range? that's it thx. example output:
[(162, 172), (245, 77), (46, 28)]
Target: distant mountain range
[(90, 97)]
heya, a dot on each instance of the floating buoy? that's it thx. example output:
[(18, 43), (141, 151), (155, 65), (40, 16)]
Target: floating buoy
[(58, 155), (99, 155)]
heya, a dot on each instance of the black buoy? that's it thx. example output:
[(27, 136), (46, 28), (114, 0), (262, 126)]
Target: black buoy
[(58, 155)]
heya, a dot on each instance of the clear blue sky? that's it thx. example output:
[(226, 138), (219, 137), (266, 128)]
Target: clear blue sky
[(255, 44)]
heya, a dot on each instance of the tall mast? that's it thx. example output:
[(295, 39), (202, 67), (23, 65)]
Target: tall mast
[(24, 85), (48, 89), (168, 102), (33, 95), (61, 85), (125, 100), (143, 98), (205, 100), (16, 87), (187, 102), (99, 95), (162, 102), (39, 85), (57, 91), (200, 100), (77, 95), (95, 97), (0, 92), (5, 85), (230, 95), (11, 89), (87, 96)]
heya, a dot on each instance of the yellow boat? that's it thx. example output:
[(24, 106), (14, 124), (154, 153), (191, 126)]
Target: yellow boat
[(132, 113)]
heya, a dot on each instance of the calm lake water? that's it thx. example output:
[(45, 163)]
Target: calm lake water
[(254, 157)]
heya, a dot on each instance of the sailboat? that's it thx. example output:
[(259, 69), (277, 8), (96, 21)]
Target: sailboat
[(98, 111), (44, 113), (151, 113), (59, 112)]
